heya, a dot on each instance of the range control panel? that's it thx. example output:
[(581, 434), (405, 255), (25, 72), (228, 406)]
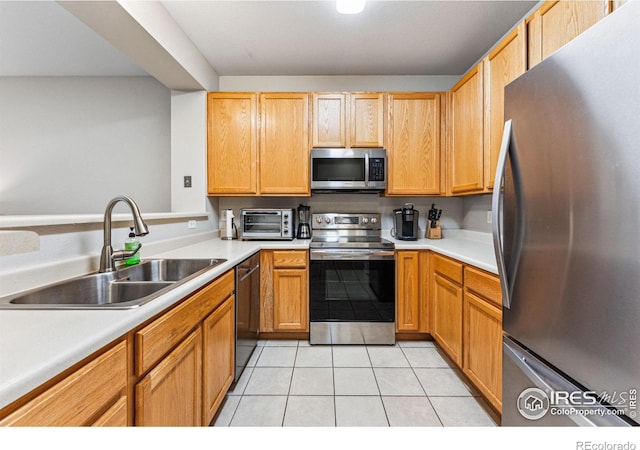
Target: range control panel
[(345, 221)]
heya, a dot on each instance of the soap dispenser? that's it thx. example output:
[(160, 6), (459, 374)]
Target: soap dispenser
[(131, 244)]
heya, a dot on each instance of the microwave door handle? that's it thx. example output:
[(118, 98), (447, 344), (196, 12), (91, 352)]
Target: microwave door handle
[(366, 169)]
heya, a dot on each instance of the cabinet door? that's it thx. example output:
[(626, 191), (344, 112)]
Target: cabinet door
[(447, 316), (505, 63), (414, 144), (366, 112), (232, 144), (290, 300), (329, 120), (556, 23), (218, 357), (81, 398), (284, 144), (412, 291), (466, 139), (483, 347), (171, 393)]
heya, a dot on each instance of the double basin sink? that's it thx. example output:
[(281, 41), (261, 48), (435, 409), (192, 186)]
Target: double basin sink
[(127, 287)]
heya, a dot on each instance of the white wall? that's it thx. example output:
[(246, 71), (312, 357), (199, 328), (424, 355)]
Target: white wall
[(188, 150), (380, 83), (69, 144), (474, 211)]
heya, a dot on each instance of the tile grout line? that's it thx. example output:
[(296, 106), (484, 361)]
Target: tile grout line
[(286, 402)]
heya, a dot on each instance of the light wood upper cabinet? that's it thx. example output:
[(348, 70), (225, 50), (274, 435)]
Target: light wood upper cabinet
[(366, 117), (414, 143), (343, 119), (466, 139), (232, 143), (616, 4), (503, 64), (329, 120), (412, 291), (284, 144), (556, 23)]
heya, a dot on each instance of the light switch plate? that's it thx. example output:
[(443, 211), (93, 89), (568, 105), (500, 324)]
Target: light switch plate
[(187, 181), (489, 218)]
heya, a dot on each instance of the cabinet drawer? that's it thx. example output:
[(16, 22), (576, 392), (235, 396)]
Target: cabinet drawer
[(290, 259), (448, 268), (116, 416), (80, 397), (484, 284), (158, 338)]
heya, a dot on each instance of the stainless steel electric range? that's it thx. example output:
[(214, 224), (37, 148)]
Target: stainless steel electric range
[(351, 281)]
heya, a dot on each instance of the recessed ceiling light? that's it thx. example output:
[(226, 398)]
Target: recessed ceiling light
[(350, 6)]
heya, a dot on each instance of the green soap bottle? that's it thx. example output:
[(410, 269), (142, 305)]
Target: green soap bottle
[(131, 244)]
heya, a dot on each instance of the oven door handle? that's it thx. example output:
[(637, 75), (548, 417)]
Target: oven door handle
[(334, 254)]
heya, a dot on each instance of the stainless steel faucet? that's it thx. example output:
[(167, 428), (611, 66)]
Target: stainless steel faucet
[(108, 255)]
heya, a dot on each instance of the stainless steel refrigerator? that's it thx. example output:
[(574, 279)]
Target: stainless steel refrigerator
[(567, 232)]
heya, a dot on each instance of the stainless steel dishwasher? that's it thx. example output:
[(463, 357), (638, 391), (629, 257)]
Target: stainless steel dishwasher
[(247, 311)]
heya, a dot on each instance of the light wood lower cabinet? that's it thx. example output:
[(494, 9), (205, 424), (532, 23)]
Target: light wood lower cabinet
[(483, 334), (94, 394), (171, 394), (185, 358), (218, 357), (412, 291), (466, 322), (284, 291), (446, 305)]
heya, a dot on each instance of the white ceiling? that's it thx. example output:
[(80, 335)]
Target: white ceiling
[(311, 38), (41, 38)]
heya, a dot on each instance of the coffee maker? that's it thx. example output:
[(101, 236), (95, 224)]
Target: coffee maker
[(227, 227), (405, 223), (304, 222)]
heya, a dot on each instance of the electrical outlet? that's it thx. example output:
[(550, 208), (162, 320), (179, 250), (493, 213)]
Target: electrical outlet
[(489, 217), (191, 224), (187, 181)]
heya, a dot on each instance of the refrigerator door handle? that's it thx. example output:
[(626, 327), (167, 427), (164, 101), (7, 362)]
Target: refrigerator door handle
[(496, 206)]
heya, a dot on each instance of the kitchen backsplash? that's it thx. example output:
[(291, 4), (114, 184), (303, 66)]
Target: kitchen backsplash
[(475, 209), (452, 208)]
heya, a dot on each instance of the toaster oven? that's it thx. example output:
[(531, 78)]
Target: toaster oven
[(267, 224)]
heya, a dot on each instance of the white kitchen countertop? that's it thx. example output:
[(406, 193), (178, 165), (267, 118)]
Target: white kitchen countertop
[(36, 345)]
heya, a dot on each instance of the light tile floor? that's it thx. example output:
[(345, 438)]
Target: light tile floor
[(290, 383)]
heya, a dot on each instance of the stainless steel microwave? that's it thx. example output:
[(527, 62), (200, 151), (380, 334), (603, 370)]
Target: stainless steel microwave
[(267, 224), (348, 169)]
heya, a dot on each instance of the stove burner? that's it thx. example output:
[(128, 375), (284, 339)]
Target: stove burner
[(348, 230)]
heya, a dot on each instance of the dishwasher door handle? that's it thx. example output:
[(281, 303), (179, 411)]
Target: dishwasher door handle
[(248, 274)]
